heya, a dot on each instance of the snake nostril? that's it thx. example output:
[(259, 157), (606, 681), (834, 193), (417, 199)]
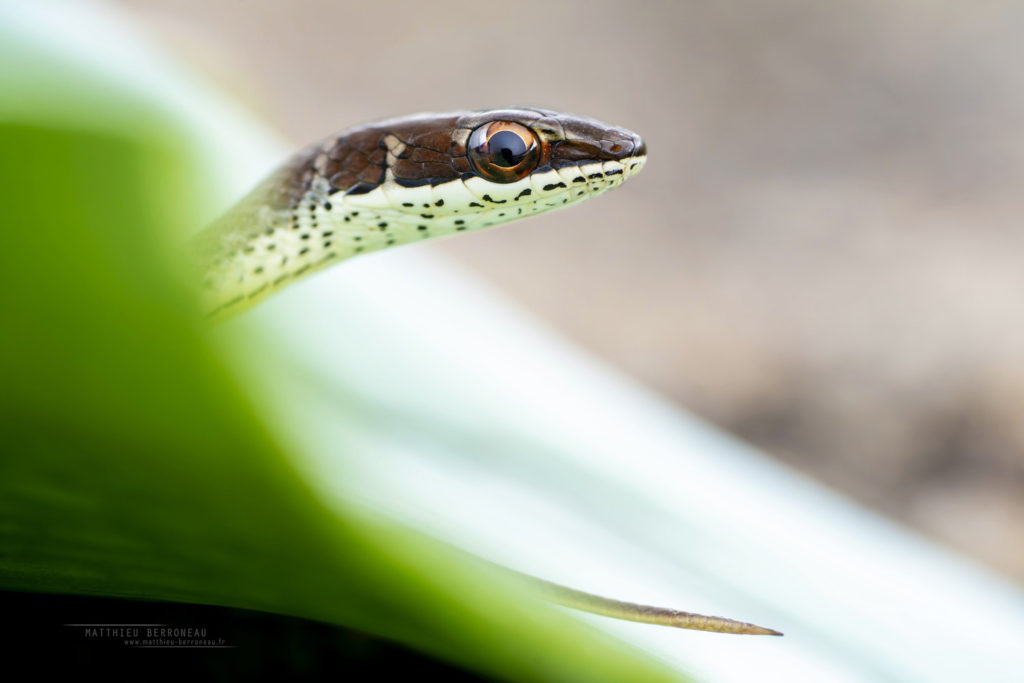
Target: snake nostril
[(626, 146), (622, 147)]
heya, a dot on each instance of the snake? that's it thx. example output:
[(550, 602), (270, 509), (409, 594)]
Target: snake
[(411, 179)]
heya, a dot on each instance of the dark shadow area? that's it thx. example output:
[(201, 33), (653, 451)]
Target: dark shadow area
[(141, 640)]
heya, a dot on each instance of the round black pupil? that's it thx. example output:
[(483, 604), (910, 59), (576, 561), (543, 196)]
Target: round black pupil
[(507, 149)]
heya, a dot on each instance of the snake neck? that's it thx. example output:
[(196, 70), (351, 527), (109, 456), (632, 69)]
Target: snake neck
[(256, 249)]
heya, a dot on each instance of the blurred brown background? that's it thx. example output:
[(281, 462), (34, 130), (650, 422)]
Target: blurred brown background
[(823, 254)]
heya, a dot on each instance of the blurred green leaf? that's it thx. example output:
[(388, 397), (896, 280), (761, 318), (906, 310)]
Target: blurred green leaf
[(133, 465)]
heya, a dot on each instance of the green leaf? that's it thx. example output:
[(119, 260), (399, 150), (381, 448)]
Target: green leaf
[(134, 465)]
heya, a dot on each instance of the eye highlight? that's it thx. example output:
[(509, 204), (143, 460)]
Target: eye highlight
[(503, 151)]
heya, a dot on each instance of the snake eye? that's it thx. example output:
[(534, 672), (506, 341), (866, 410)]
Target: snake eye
[(504, 151)]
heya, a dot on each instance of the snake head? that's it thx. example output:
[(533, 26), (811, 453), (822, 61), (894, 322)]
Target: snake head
[(443, 173)]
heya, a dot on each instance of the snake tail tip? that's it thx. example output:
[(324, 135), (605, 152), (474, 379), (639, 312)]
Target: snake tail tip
[(722, 625)]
